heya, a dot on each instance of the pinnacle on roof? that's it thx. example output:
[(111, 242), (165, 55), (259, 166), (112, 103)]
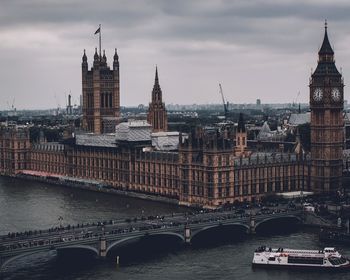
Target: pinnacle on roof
[(96, 56), (84, 56), (156, 80), (157, 92), (326, 48), (104, 58), (116, 57)]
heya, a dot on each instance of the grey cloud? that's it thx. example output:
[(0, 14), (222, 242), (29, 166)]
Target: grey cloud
[(213, 39), (234, 22)]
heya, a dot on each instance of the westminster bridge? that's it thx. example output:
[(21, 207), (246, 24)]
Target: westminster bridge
[(101, 238)]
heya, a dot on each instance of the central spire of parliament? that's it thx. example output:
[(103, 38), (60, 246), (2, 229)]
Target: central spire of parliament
[(157, 115)]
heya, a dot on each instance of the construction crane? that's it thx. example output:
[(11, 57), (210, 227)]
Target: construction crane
[(225, 103), (12, 106), (295, 101), (58, 105)]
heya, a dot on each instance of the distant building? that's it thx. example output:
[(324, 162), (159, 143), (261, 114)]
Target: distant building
[(266, 134), (69, 106), (14, 149)]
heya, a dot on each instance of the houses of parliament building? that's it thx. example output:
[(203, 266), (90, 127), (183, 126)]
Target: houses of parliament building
[(205, 168)]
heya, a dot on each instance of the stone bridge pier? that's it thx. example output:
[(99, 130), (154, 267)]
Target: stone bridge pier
[(102, 252), (252, 224), (187, 234)]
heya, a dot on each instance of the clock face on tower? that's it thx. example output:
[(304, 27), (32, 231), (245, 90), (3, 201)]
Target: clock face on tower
[(335, 94), (318, 94)]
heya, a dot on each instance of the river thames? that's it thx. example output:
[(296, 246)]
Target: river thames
[(32, 205)]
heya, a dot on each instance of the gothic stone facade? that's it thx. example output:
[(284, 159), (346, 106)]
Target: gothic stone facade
[(101, 94), (208, 169), (14, 149), (327, 122), (205, 171), (157, 115)]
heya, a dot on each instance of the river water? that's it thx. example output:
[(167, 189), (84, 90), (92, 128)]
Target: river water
[(32, 205)]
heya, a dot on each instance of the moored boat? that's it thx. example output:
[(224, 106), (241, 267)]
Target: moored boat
[(328, 258)]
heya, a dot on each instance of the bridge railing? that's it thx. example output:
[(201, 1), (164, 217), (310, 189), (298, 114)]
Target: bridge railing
[(59, 239)]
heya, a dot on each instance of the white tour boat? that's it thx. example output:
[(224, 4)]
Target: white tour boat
[(328, 258)]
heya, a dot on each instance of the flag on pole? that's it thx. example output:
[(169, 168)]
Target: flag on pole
[(98, 30)]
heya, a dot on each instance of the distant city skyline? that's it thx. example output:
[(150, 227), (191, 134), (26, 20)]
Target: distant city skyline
[(256, 50)]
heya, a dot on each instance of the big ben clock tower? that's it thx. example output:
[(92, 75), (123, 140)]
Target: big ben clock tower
[(327, 124)]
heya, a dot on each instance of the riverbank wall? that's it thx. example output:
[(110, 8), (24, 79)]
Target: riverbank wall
[(310, 219), (98, 188)]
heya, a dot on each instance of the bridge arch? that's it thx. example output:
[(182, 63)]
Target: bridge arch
[(74, 247), (79, 247), (241, 227), (16, 257), (285, 218), (121, 241)]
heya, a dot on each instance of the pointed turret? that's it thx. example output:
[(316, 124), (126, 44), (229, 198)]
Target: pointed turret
[(326, 48), (156, 80), (157, 115), (96, 56), (116, 57), (326, 65), (84, 64), (104, 58), (96, 59), (157, 91), (115, 60), (84, 57)]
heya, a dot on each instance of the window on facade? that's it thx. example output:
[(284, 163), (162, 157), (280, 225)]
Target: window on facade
[(185, 188), (245, 189), (278, 186), (269, 187), (210, 160), (210, 192)]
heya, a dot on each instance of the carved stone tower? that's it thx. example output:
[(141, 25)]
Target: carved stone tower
[(157, 115), (327, 123), (101, 94)]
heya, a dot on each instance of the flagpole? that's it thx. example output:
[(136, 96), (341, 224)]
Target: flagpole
[(99, 37)]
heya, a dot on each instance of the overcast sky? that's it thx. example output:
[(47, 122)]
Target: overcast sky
[(255, 49)]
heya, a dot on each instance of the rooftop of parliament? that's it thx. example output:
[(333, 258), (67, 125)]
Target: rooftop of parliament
[(207, 167)]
